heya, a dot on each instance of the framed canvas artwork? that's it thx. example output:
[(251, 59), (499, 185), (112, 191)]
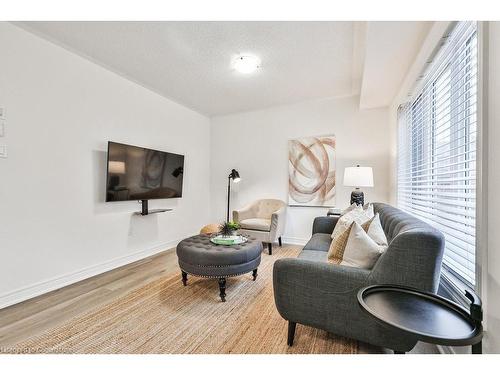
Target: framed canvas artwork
[(311, 171)]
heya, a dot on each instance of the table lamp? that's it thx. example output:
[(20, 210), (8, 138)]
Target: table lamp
[(358, 177)]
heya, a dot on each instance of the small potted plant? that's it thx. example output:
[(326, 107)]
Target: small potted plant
[(228, 228)]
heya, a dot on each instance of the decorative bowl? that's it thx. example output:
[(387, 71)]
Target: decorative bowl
[(228, 240)]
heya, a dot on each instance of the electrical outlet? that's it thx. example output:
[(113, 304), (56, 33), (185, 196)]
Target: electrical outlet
[(3, 151)]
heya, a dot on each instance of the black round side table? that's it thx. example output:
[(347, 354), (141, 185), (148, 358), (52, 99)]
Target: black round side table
[(425, 316)]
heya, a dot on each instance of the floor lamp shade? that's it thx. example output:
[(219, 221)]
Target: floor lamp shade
[(235, 176), (358, 177)]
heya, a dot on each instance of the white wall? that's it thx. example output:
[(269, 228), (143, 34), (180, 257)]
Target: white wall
[(61, 110), (255, 143)]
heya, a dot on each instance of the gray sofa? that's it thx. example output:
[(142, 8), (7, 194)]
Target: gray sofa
[(310, 291)]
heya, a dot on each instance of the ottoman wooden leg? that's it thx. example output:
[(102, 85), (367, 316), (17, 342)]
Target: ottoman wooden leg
[(270, 248), (254, 274), (184, 278), (222, 288)]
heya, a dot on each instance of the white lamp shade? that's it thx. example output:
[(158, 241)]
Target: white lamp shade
[(358, 176), (117, 167)]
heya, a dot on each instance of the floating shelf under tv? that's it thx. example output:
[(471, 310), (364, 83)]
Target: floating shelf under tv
[(154, 211), (146, 211)]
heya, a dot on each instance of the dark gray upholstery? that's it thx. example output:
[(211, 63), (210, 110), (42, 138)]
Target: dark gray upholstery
[(310, 291), (324, 224), (313, 255), (198, 256), (319, 242)]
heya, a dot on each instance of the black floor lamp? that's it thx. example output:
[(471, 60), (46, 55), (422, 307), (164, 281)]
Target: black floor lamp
[(235, 176)]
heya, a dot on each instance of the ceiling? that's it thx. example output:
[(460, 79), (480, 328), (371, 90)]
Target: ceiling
[(190, 62), (391, 48)]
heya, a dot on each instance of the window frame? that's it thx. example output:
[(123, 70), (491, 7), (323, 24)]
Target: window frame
[(449, 279)]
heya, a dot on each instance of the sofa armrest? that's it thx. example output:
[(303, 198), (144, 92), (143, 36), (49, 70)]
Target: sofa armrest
[(412, 259), (304, 289), (324, 224)]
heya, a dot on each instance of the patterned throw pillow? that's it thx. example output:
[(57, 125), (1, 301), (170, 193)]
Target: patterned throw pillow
[(337, 247)]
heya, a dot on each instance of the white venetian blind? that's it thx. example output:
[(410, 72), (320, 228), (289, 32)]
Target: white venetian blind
[(437, 149)]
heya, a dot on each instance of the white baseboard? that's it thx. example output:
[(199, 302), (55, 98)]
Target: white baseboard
[(37, 289), (295, 240)]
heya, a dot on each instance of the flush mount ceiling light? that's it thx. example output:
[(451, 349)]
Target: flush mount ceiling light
[(246, 64)]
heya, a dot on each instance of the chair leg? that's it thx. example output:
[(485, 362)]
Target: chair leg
[(279, 241), (270, 248), (291, 333)]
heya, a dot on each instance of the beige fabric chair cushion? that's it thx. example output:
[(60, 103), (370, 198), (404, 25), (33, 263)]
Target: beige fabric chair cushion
[(256, 224)]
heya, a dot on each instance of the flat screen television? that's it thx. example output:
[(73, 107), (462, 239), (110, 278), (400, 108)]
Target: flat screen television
[(138, 173)]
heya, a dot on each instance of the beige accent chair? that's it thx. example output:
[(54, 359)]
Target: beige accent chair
[(264, 220)]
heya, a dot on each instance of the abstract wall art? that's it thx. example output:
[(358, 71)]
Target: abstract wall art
[(311, 171)]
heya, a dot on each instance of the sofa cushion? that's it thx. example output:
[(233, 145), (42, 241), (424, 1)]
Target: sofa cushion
[(319, 242), (256, 224), (317, 256)]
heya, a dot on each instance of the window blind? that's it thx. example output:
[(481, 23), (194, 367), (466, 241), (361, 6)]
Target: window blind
[(437, 149)]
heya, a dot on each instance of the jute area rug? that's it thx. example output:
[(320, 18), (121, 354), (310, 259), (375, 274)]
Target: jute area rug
[(166, 317)]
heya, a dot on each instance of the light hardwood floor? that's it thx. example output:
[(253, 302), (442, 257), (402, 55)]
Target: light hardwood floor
[(32, 317)]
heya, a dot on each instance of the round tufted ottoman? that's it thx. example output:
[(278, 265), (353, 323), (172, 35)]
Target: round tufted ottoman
[(200, 257)]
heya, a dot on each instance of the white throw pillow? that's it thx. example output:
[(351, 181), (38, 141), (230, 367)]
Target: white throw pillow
[(353, 206), (359, 216), (376, 232), (369, 211), (361, 251)]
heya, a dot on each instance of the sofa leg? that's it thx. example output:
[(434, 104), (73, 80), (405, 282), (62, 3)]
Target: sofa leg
[(291, 333), (270, 248), (279, 241)]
